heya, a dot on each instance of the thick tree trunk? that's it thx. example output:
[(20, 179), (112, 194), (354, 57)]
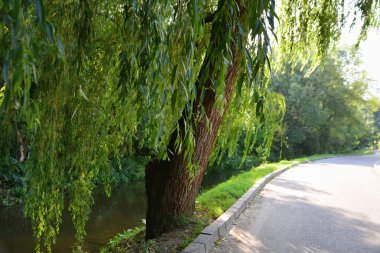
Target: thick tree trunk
[(171, 191)]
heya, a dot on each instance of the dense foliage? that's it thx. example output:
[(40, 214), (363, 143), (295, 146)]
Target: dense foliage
[(86, 81), (329, 109)]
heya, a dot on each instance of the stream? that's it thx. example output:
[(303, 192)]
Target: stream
[(109, 216), (124, 209)]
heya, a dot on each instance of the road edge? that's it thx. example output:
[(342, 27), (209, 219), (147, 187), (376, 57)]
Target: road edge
[(376, 167), (222, 225)]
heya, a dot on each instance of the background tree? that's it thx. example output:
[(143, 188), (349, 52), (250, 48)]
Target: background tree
[(326, 109)]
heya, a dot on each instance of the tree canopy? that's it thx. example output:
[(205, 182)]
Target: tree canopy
[(326, 110), (85, 80)]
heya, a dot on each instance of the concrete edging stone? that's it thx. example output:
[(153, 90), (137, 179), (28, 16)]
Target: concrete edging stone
[(222, 225), (376, 167)]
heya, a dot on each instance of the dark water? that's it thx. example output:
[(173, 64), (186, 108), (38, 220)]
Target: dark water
[(109, 216)]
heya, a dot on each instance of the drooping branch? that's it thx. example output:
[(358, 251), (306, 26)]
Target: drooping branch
[(209, 17)]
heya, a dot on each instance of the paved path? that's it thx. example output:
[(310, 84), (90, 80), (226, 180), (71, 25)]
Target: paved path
[(332, 205)]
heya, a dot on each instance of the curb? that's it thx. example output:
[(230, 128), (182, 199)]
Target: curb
[(376, 167), (222, 225)]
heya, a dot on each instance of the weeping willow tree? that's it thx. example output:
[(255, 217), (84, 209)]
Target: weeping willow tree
[(83, 80)]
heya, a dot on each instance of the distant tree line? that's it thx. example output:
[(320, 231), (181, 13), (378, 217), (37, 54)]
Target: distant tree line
[(328, 109)]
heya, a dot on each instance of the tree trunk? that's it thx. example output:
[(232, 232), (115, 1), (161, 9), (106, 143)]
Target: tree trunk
[(171, 191)]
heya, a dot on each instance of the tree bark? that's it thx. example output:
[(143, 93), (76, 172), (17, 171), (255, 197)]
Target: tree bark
[(171, 190)]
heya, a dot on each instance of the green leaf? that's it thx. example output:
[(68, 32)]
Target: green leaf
[(174, 100), (61, 49), (250, 62), (81, 93), (40, 12)]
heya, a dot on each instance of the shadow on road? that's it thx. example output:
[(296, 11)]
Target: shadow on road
[(352, 233)]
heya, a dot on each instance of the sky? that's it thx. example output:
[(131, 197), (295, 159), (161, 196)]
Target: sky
[(370, 51)]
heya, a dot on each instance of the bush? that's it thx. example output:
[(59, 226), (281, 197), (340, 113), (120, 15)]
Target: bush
[(128, 169), (12, 181)]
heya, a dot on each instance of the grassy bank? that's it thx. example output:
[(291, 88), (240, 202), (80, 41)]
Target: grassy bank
[(214, 202), (210, 205)]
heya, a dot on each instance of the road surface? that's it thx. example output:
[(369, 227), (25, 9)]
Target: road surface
[(332, 205)]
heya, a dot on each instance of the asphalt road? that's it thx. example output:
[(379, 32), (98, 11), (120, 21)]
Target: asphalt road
[(332, 205)]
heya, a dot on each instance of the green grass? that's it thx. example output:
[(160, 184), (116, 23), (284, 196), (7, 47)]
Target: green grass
[(115, 244), (125, 235), (212, 203), (132, 240)]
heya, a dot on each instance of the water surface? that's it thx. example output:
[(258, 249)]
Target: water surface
[(109, 216)]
